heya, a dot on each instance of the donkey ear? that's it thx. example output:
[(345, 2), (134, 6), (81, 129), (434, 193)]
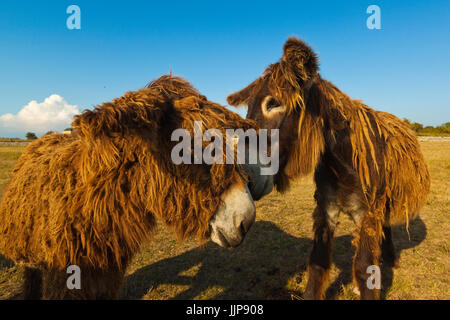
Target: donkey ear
[(301, 59), (242, 97)]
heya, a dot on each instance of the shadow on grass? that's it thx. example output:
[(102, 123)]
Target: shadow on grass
[(402, 241), (13, 288), (5, 263), (259, 269)]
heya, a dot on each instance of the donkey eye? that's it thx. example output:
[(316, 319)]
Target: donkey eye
[(271, 107), (270, 103)]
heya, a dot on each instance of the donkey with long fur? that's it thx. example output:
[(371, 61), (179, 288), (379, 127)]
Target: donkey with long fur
[(368, 164), (91, 199)]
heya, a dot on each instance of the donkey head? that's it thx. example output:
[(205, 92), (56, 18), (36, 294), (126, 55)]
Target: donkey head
[(282, 88), (276, 98), (209, 199)]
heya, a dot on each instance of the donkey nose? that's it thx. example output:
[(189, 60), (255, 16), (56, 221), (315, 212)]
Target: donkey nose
[(247, 218), (234, 217)]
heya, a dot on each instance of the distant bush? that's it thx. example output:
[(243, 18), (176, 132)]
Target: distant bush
[(31, 136)]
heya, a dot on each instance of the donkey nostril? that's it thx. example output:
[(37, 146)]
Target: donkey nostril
[(242, 228)]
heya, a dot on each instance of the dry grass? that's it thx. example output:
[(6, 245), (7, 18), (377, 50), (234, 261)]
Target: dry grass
[(271, 262)]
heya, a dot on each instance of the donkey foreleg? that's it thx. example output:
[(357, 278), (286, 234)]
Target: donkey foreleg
[(321, 256)]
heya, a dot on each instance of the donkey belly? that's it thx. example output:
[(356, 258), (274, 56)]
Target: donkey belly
[(339, 190)]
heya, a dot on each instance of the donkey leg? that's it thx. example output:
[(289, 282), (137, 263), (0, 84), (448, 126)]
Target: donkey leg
[(55, 285), (321, 256), (367, 254), (96, 284), (388, 249), (32, 285)]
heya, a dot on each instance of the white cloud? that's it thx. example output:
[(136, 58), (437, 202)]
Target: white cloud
[(53, 114)]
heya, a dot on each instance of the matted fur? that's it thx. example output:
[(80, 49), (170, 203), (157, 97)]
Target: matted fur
[(91, 198), (367, 163)]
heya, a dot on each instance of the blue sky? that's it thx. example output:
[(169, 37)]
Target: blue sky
[(220, 46)]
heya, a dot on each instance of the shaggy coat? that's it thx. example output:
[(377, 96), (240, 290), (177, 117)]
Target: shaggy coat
[(91, 198), (367, 163)]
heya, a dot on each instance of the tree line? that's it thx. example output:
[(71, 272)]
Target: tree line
[(419, 128)]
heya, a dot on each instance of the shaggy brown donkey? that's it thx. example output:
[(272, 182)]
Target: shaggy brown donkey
[(91, 198), (367, 164)]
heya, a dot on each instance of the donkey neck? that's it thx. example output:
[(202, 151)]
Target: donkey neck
[(334, 108)]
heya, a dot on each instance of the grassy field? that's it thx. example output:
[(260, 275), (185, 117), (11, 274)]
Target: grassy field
[(271, 262)]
